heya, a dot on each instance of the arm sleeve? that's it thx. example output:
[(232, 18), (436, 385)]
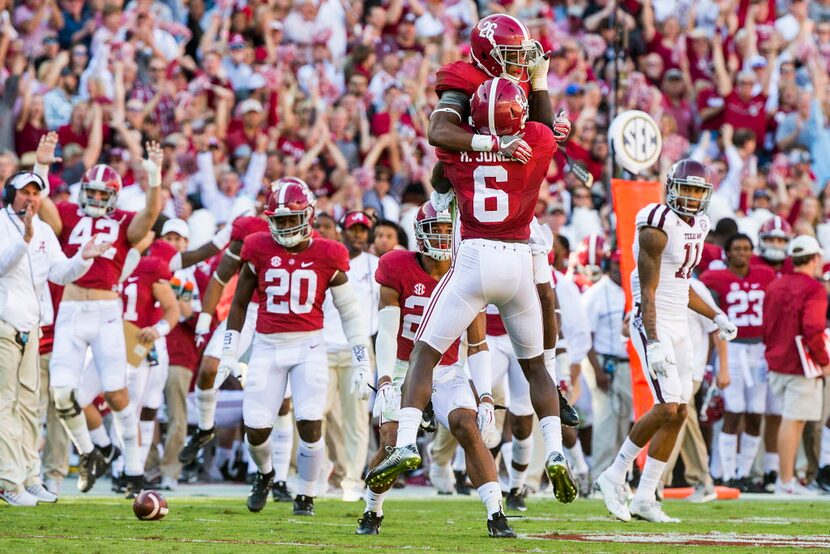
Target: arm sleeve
[(389, 320), (354, 324), (254, 175)]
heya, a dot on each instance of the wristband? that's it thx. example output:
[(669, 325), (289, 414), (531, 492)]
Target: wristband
[(203, 323), (42, 171), (539, 84), (162, 327), (483, 143), (231, 343), (153, 174)]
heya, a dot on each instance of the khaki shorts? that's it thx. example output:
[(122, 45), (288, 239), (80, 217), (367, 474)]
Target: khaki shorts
[(801, 396)]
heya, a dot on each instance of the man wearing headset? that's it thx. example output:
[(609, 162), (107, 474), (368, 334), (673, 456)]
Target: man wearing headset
[(29, 255)]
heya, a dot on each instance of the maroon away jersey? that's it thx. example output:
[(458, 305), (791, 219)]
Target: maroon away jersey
[(248, 225), (400, 270), (137, 292), (292, 284), (497, 196), (78, 228), (742, 299)]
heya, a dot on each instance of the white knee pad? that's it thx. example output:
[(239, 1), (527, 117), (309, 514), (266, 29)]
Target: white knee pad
[(65, 402)]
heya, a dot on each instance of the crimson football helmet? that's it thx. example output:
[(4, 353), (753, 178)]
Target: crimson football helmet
[(684, 174), (776, 228), (290, 198), (99, 177), (591, 256), (501, 40), (429, 238), (498, 108)]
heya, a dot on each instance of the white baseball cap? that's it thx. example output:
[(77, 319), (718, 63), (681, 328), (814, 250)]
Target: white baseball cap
[(178, 226), (804, 245)]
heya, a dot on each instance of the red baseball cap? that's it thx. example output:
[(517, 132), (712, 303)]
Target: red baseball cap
[(357, 218)]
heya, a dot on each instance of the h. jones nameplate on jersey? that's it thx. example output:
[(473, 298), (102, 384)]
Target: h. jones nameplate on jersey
[(636, 141)]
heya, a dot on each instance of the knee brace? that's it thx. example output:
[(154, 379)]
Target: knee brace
[(65, 402)]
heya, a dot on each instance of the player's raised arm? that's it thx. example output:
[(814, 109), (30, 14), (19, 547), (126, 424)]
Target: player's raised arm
[(45, 156), (146, 218)]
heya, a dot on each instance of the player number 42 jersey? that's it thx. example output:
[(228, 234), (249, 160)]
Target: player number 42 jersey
[(681, 254)]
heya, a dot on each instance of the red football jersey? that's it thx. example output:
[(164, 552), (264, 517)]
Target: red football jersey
[(248, 225), (786, 267), (401, 271), (293, 284), (465, 77), (162, 250), (741, 298), (497, 196), (495, 326), (137, 292), (78, 228), (712, 258)]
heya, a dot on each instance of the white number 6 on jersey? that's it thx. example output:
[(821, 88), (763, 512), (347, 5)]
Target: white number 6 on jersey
[(482, 193)]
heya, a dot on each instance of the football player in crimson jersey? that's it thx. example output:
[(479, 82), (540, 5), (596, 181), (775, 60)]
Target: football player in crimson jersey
[(407, 280), (773, 238), (739, 290), (90, 314), (291, 271), (668, 245), (493, 265)]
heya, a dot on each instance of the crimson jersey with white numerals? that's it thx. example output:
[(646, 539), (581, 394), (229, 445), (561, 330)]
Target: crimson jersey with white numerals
[(292, 284), (400, 270), (497, 196), (78, 228), (786, 267), (742, 298), (465, 77), (137, 291), (244, 226), (681, 254)]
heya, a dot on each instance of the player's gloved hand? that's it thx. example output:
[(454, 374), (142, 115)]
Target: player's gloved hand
[(486, 421), (202, 328), (728, 330), (539, 73), (513, 146), (241, 373), (658, 361), (362, 372), (541, 237), (228, 365), (441, 200), (387, 399), (561, 127)]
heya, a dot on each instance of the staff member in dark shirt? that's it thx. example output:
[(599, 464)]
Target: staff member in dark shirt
[(796, 305)]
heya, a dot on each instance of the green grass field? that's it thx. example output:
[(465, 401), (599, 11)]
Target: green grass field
[(453, 525)]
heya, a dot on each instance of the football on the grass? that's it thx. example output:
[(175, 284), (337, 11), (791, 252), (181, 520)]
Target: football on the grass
[(150, 505)]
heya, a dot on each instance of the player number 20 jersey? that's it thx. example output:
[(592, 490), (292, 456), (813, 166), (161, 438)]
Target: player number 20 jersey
[(681, 254)]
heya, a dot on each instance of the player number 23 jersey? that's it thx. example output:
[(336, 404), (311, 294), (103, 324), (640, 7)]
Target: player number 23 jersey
[(681, 254)]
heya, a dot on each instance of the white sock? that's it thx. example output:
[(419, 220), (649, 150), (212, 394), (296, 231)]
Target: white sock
[(577, 458), (100, 437), (126, 424), (374, 501), (652, 472), (459, 462), (282, 439), (618, 470), (521, 453), (824, 458), (409, 419), (771, 461), (261, 455), (506, 451), (147, 430), (749, 449), (76, 428), (310, 458), (552, 433), (728, 450), (490, 494), (206, 402)]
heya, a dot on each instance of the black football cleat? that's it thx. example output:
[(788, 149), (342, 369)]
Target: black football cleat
[(133, 485), (118, 484), (89, 469), (109, 453), (198, 440), (428, 422), (304, 505), (498, 528), (516, 500), (259, 491), (369, 524), (280, 492), (770, 478), (461, 486), (567, 414)]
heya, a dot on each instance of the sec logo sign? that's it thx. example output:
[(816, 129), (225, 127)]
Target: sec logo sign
[(635, 140)]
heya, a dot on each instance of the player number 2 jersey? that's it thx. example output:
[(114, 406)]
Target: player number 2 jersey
[(681, 254), (292, 285), (399, 270)]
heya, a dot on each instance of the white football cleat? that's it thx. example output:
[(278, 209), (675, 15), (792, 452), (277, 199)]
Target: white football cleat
[(793, 488), (21, 498), (39, 491), (650, 510), (614, 497), (702, 494)]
